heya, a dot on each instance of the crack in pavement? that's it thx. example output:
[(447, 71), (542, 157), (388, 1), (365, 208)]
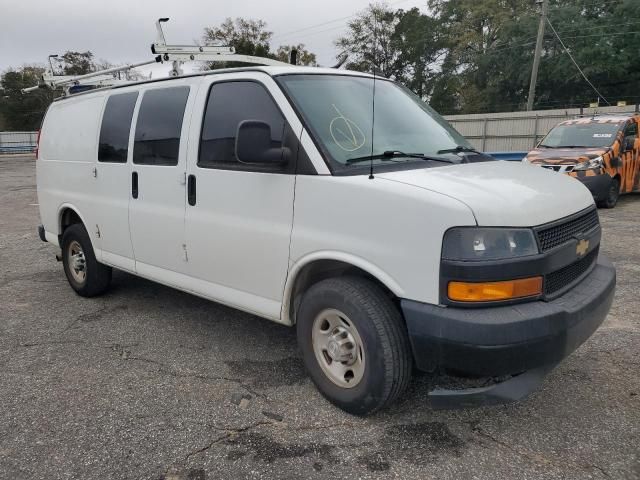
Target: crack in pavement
[(229, 433), (534, 457), (52, 342), (94, 316), (168, 370)]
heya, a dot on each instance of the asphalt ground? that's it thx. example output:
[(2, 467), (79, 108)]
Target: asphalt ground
[(148, 382)]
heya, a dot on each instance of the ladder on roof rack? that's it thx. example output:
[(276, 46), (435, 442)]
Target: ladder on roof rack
[(177, 54), (102, 78)]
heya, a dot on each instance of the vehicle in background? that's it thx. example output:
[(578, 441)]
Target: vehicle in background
[(602, 151)]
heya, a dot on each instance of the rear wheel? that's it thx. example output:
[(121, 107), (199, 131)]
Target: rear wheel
[(354, 344), (612, 195), (85, 275)]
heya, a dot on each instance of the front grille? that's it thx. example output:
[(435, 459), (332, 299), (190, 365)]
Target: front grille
[(559, 168), (566, 276), (555, 235)]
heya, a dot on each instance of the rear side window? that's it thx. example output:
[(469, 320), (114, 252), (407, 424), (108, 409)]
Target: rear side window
[(229, 104), (157, 140), (631, 130), (116, 124)]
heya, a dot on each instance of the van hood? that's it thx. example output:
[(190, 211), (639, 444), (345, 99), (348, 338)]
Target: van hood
[(510, 194), (564, 156)]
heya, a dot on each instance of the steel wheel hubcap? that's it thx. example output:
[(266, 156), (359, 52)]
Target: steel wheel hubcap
[(77, 263), (338, 348)]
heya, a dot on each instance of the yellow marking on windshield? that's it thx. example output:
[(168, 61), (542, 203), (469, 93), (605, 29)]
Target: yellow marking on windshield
[(352, 137)]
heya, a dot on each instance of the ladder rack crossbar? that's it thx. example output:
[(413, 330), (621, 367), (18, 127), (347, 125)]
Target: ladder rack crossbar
[(191, 49)]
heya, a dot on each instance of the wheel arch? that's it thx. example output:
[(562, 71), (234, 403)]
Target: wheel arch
[(68, 215), (321, 265)]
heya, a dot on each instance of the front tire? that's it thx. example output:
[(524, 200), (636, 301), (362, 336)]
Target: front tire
[(354, 344), (612, 195), (85, 274)]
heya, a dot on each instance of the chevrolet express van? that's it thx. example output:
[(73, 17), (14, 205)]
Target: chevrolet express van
[(273, 190), (602, 151)]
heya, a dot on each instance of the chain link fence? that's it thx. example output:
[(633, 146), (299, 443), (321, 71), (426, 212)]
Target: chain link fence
[(18, 142)]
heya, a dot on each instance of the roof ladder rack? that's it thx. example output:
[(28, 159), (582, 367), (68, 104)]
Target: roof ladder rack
[(177, 54)]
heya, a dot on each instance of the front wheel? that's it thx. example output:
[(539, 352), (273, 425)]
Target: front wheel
[(354, 344), (612, 195)]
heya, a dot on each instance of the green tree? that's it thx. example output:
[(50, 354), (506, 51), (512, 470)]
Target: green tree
[(305, 57), (421, 46), (246, 36), (23, 111), (369, 42), (490, 44), (480, 39), (603, 38), (251, 37), (77, 63)]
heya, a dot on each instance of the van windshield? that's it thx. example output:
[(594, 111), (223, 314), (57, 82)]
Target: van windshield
[(594, 134), (338, 109)]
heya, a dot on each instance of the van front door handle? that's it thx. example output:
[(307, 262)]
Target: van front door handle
[(191, 190), (134, 184)]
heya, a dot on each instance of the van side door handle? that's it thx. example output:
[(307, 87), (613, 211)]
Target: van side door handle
[(134, 184), (191, 190)]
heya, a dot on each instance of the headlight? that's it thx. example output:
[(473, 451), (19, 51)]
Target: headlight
[(477, 243), (590, 164)]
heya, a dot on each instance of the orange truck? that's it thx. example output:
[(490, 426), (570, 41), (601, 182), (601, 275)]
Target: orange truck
[(601, 151)]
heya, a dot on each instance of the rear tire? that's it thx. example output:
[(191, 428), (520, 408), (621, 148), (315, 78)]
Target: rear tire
[(612, 195), (368, 365), (85, 274)]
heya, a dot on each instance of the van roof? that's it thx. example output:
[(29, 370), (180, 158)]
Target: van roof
[(269, 70), (601, 118)]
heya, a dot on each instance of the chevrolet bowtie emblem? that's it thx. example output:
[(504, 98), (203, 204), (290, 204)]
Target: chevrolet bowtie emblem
[(582, 247)]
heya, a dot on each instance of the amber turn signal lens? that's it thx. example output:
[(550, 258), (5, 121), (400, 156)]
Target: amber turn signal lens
[(494, 291)]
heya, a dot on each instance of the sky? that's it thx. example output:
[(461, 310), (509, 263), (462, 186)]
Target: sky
[(121, 31)]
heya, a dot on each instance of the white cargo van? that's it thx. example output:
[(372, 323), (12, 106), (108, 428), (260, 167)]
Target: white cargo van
[(273, 190)]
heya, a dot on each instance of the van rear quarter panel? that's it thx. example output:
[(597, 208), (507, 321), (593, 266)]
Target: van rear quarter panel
[(67, 156)]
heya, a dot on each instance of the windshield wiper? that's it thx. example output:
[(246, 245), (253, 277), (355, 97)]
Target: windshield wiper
[(390, 154), (563, 146), (460, 148)]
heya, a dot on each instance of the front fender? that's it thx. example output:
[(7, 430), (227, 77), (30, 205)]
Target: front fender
[(344, 257)]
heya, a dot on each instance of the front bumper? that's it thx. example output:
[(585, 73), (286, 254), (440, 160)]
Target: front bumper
[(598, 185), (507, 340)]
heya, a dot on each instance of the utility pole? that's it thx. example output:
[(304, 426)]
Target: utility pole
[(537, 54)]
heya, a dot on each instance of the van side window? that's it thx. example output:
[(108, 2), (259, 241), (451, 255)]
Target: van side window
[(116, 124), (631, 130), (157, 140), (229, 104)]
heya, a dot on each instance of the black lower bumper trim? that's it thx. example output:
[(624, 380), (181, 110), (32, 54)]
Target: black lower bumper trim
[(598, 185), (512, 390), (41, 233), (507, 340)]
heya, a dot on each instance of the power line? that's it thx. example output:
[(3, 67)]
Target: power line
[(586, 5), (575, 63), (610, 25), (613, 34), (340, 19)]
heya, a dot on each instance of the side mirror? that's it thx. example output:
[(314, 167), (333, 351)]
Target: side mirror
[(253, 145), (628, 143)]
